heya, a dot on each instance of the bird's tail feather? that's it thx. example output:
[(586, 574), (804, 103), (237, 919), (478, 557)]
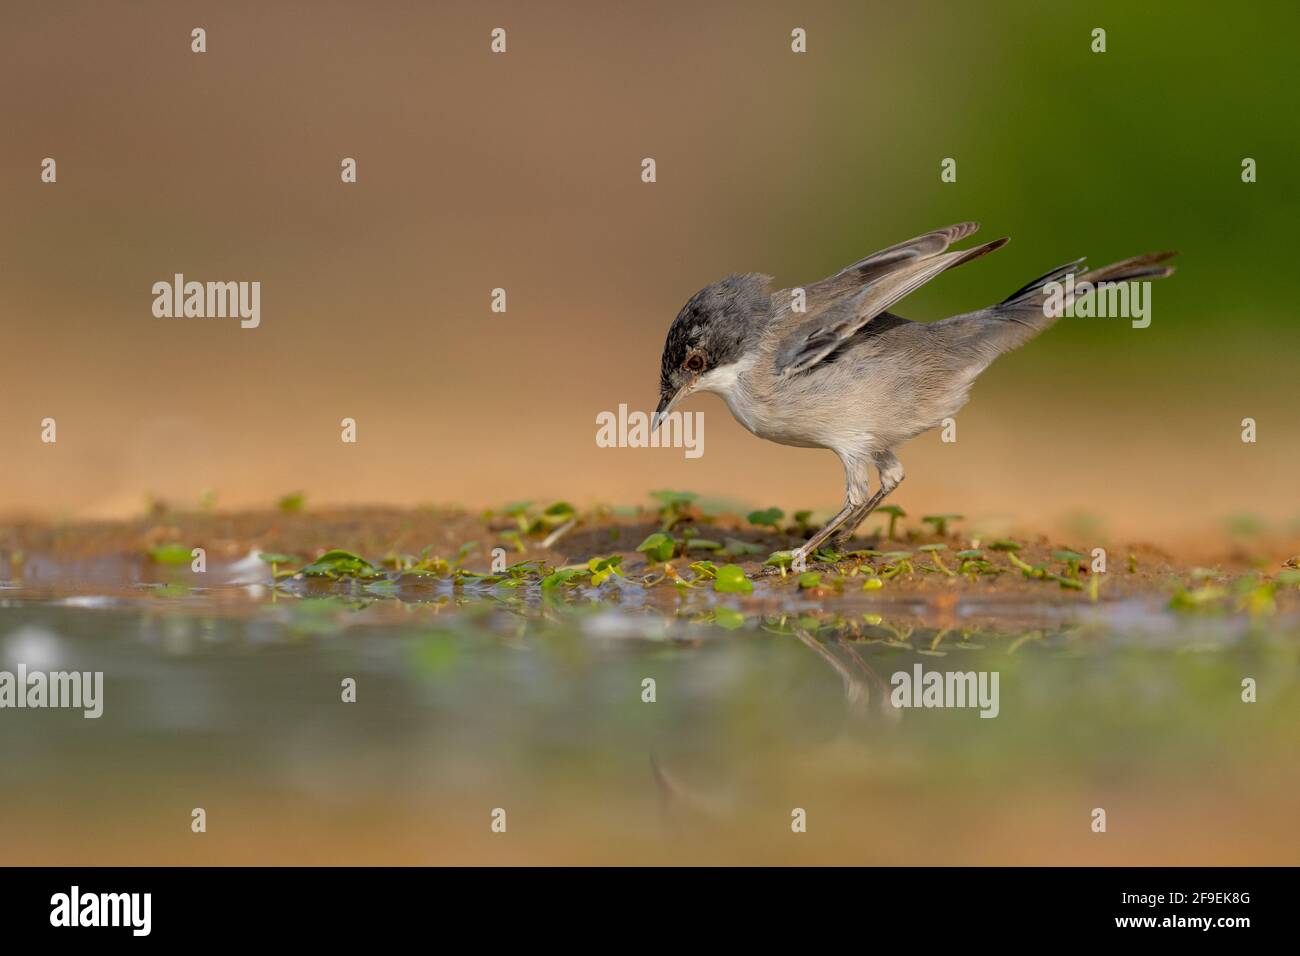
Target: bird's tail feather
[(1036, 306)]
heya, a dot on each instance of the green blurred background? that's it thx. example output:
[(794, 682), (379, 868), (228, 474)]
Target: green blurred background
[(522, 171)]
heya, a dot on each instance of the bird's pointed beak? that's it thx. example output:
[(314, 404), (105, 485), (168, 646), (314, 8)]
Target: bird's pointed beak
[(666, 404)]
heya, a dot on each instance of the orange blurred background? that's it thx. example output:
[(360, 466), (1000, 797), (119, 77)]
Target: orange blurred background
[(522, 171)]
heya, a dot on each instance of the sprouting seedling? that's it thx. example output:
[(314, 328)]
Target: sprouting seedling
[(735, 548), (341, 564), (1206, 597), (559, 519), (514, 539), (894, 513), (809, 580), (705, 570), (703, 544), (803, 521), (779, 559), (170, 554), (564, 576), (1025, 567), (275, 560), (291, 503), (731, 579), (896, 561), (974, 563), (1132, 564), (658, 547), (1072, 559), (933, 550), (673, 506), (464, 552), (940, 522), (768, 518), (519, 511), (602, 569)]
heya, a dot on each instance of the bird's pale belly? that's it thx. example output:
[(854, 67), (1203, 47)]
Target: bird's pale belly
[(768, 423)]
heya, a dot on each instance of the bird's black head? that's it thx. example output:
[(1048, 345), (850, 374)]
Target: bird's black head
[(714, 329)]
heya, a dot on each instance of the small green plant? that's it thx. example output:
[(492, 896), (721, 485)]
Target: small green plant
[(341, 564), (768, 518), (1208, 597), (809, 580), (894, 563), (292, 503), (674, 506), (602, 569), (735, 548), (659, 546), (894, 512), (562, 576), (702, 544), (803, 521), (940, 522), (1072, 559), (275, 560), (731, 579), (170, 554), (933, 550)]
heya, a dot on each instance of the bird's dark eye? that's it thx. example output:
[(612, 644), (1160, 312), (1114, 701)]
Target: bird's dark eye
[(695, 362)]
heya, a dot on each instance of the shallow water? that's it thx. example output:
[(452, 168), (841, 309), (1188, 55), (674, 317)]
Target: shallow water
[(470, 700)]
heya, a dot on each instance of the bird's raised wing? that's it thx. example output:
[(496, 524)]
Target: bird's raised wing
[(842, 304)]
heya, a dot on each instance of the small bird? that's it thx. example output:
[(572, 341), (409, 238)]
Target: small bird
[(833, 369)]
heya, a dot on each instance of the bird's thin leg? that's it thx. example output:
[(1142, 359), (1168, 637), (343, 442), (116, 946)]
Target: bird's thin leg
[(812, 544), (856, 487), (891, 475)]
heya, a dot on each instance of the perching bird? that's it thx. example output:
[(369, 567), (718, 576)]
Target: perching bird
[(843, 373)]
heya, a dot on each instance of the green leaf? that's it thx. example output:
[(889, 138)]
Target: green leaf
[(674, 499), (731, 580), (341, 564), (557, 514), (561, 577), (602, 569), (170, 554), (809, 579), (291, 504), (658, 546), (703, 544), (767, 518), (735, 547)]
